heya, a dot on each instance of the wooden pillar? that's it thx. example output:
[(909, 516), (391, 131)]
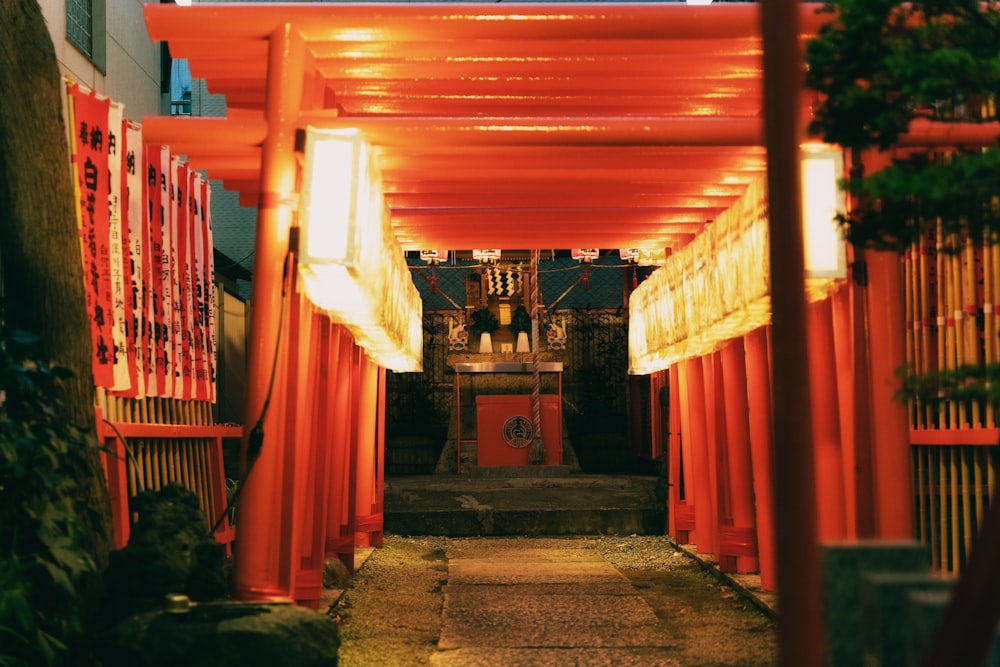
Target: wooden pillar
[(684, 510), (830, 519), (365, 461), (738, 540), (855, 476), (313, 471), (307, 583), (715, 447), (884, 507), (700, 480), (759, 413), (378, 506), (891, 430), (340, 451), (257, 569), (800, 625), (348, 529), (675, 526)]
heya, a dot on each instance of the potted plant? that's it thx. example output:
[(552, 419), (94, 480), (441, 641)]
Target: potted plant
[(484, 323), (520, 325)]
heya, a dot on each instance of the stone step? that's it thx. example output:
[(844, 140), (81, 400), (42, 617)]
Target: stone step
[(461, 506)]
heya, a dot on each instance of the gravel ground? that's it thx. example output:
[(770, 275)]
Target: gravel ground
[(390, 616)]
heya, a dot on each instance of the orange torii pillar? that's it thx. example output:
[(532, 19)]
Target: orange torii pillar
[(656, 381), (319, 410), (339, 543), (830, 519), (890, 432), (378, 506), (686, 510), (259, 573), (366, 481), (715, 449), (857, 481), (680, 517), (738, 539), (700, 481), (761, 423), (299, 446)]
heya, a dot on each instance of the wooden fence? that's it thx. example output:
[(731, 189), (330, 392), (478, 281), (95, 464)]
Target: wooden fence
[(153, 442), (951, 288)]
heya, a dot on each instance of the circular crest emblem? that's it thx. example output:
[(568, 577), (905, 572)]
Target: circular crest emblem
[(518, 432)]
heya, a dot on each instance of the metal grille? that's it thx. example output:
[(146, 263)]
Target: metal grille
[(421, 402), (79, 25), (596, 369)]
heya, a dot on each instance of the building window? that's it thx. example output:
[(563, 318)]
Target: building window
[(180, 88), (85, 29)]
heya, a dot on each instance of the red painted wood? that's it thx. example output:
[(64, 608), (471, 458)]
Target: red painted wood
[(258, 573), (715, 450), (306, 551), (178, 431), (365, 480), (890, 428), (684, 518), (342, 368), (740, 468), (701, 472), (759, 413), (674, 448), (740, 542), (985, 437), (827, 451), (114, 461), (857, 481), (688, 489)]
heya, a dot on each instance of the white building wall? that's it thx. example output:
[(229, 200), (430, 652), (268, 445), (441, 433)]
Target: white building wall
[(132, 75)]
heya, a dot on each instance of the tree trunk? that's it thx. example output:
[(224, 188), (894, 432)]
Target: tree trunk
[(42, 265)]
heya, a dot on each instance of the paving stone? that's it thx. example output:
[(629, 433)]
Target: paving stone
[(564, 657), (544, 595)]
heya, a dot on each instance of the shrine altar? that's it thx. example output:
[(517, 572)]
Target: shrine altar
[(504, 422)]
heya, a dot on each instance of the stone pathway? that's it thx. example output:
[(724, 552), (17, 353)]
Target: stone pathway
[(543, 602), (566, 601)]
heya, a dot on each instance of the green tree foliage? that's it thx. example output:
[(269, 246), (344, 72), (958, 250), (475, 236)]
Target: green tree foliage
[(878, 65), (520, 321), (483, 320), (43, 563)]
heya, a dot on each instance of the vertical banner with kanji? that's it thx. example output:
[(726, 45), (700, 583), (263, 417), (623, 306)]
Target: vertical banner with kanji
[(145, 231), (156, 367), (208, 291), (137, 230), (166, 268), (117, 249), (199, 325), (89, 116), (181, 274)]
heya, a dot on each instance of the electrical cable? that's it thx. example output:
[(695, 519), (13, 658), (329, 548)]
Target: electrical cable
[(129, 454), (255, 439)]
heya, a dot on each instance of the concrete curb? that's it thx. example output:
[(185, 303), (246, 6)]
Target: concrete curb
[(746, 585)]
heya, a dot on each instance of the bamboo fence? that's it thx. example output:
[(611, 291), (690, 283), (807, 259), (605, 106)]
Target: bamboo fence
[(161, 441), (951, 286)]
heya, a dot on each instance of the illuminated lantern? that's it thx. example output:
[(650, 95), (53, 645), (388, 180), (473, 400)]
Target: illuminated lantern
[(350, 263)]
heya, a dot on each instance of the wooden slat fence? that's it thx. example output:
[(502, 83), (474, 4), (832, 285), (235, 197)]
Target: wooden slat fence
[(952, 284), (154, 442)]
